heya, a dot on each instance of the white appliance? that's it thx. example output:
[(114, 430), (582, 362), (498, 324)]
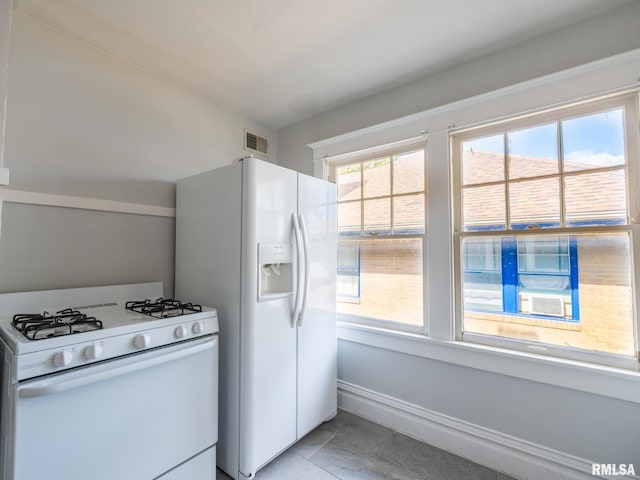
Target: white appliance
[(259, 242), (104, 392)]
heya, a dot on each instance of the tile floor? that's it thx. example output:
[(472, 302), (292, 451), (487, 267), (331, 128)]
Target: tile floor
[(352, 448)]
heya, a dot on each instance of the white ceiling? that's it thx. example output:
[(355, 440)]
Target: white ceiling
[(279, 61)]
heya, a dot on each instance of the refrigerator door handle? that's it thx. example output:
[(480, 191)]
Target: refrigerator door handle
[(297, 304), (305, 290)]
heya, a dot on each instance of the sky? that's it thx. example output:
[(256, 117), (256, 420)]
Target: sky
[(595, 139)]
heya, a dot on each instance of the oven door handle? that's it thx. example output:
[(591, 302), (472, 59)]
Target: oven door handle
[(51, 386)]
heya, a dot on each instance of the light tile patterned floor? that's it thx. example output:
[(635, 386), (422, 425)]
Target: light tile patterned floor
[(352, 448)]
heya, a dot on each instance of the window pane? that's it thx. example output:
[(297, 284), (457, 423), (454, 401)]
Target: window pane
[(483, 160), (348, 278), (596, 198), (593, 141), (544, 268), (533, 151), (482, 273), (587, 305), (348, 182), (377, 216), (543, 254), (377, 178), (482, 291), (390, 282), (483, 208), (481, 254), (408, 172), (535, 203), (349, 218), (408, 214)]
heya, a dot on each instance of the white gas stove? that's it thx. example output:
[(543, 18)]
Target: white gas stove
[(48, 345), (144, 365)]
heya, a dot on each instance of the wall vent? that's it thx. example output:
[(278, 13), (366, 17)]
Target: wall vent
[(255, 143), (544, 305)]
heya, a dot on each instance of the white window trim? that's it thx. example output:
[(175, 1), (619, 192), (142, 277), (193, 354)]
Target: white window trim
[(631, 103), (611, 74), (329, 166)]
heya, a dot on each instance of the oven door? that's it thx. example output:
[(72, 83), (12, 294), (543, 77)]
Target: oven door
[(134, 418)]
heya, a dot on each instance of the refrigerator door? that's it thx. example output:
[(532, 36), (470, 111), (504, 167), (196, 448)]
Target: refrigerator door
[(317, 344), (268, 340)]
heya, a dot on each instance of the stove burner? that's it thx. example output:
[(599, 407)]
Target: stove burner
[(163, 307), (64, 322)]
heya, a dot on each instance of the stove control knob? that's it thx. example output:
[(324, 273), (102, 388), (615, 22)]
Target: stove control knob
[(180, 331), (141, 341), (63, 358), (93, 351), (197, 328)]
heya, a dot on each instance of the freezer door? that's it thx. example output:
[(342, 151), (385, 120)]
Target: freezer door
[(317, 350), (268, 340)]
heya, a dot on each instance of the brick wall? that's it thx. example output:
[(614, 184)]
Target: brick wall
[(391, 283), (606, 303), (392, 290)]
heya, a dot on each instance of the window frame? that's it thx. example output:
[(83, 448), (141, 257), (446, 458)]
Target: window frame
[(630, 102), (375, 153)]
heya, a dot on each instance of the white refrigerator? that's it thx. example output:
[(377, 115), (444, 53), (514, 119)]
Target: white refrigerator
[(258, 242)]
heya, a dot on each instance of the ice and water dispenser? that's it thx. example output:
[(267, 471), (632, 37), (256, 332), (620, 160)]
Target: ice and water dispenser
[(275, 274)]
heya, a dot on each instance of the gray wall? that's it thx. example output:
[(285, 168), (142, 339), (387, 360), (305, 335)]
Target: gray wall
[(49, 247), (596, 428), (82, 123), (590, 40), (593, 427)]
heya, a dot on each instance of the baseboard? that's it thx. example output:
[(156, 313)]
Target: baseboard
[(510, 455)]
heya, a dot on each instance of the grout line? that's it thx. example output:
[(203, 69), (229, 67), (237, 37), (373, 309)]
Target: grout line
[(320, 447)]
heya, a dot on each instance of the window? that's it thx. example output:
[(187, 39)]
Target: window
[(381, 228), (531, 275), (544, 231)]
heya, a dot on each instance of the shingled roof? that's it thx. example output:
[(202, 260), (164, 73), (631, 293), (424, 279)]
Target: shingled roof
[(408, 181), (591, 194)]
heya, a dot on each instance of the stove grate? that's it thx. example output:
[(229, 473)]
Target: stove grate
[(163, 307), (39, 326)]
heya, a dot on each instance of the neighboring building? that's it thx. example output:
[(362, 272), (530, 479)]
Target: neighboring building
[(548, 288)]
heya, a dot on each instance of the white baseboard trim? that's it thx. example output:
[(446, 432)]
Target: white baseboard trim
[(510, 455)]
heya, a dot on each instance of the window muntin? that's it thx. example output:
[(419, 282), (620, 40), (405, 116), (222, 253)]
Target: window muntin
[(564, 172), (512, 167), (381, 228)]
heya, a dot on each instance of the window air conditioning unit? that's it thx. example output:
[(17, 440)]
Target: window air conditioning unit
[(546, 305), (255, 143)]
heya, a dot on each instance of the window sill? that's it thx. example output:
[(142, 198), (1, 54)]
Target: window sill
[(611, 382)]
